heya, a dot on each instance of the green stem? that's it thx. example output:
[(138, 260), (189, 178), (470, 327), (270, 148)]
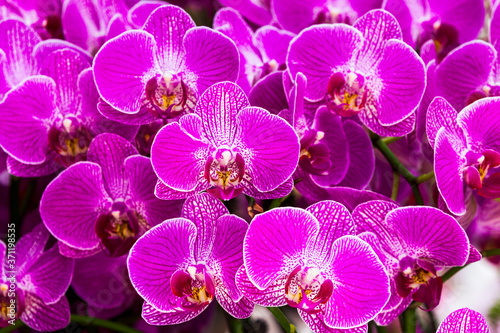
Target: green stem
[(282, 320), (395, 185), (454, 270), (432, 321), (425, 177), (91, 321), (82, 320), (391, 139), (398, 167), (234, 325), (277, 202), (490, 253), (379, 329), (408, 320), (11, 328)]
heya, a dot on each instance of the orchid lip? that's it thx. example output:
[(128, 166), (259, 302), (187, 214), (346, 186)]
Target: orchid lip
[(168, 96), (477, 175), (194, 286), (307, 289), (417, 277), (119, 229), (70, 140), (224, 170), (330, 14), (314, 155), (346, 93)]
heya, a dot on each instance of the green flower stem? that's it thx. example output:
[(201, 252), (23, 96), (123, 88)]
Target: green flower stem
[(391, 139), (234, 325), (277, 202), (396, 166), (425, 177), (11, 328), (408, 320), (490, 253), (282, 320), (395, 185), (432, 321), (454, 270), (92, 321), (379, 329)]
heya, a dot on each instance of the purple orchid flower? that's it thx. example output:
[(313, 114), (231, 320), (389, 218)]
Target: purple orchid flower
[(55, 129), (180, 265), (43, 16), (297, 15), (261, 53), (412, 250), (333, 152), (103, 283), (16, 46), (226, 147), (160, 72), (22, 53), (32, 289), (256, 11), (269, 93), (443, 24), (365, 70), (464, 321), (310, 260), (465, 75), (89, 24), (4, 174), (106, 203), (485, 227), (466, 149)]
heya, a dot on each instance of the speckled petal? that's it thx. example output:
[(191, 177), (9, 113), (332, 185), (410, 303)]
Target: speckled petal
[(274, 295), (355, 300), (464, 321), (168, 24), (275, 243), (319, 51), (26, 111), (122, 68), (156, 256), (448, 166), (154, 317), (335, 221), (441, 114), (43, 317), (178, 158), (443, 242), (481, 125), (269, 146), (206, 51), (72, 202)]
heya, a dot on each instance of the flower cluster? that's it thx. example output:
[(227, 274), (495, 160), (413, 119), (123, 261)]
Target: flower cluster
[(339, 159)]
